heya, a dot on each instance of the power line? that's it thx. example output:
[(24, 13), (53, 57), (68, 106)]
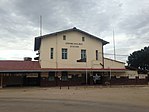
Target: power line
[(115, 54)]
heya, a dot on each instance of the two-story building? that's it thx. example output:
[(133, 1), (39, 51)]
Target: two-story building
[(68, 57), (76, 57)]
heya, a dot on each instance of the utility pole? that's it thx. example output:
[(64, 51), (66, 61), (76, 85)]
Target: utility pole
[(40, 26), (114, 44), (110, 77), (86, 70), (86, 74)]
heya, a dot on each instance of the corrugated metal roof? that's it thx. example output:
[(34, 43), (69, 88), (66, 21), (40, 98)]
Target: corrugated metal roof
[(19, 65), (34, 66)]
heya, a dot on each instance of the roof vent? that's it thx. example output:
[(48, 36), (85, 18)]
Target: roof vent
[(27, 59)]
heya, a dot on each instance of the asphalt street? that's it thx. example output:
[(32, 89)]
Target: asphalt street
[(62, 105)]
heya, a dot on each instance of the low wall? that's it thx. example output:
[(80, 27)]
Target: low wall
[(128, 81), (57, 82)]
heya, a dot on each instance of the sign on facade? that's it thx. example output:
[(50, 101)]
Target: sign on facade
[(131, 76), (142, 76), (32, 75), (96, 78), (118, 76), (45, 75), (74, 45), (69, 76)]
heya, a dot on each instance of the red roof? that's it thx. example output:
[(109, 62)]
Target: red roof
[(19, 65), (6, 66)]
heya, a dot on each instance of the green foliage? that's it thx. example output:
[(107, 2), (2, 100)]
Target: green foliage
[(139, 59)]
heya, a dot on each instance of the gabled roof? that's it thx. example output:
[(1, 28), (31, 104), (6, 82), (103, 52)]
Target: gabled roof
[(11, 65), (38, 39)]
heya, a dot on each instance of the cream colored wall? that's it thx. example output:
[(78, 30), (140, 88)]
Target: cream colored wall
[(128, 73), (132, 74), (44, 58), (118, 74), (108, 63), (74, 54)]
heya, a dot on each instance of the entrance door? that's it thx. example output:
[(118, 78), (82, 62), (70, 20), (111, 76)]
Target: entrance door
[(32, 79)]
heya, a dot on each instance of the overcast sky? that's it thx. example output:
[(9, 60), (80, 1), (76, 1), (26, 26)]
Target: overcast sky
[(19, 23)]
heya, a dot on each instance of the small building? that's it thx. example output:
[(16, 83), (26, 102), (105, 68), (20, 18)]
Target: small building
[(68, 57)]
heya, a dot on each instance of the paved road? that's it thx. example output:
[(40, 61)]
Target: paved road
[(47, 105)]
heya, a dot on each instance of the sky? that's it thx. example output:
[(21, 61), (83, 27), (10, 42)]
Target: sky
[(19, 24)]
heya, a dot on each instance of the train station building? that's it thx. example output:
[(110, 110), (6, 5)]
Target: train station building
[(69, 57)]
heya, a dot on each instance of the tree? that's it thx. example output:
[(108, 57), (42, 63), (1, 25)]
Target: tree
[(139, 59)]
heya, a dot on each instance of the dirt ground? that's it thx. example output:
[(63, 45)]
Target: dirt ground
[(136, 96)]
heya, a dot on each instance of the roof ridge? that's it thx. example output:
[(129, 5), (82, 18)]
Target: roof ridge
[(38, 39)]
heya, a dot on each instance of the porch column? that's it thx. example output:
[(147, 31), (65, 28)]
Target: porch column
[(1, 86)]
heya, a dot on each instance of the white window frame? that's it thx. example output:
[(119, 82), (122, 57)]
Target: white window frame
[(64, 53), (51, 53), (97, 55), (83, 53)]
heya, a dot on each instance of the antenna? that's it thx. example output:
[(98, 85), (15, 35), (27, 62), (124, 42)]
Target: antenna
[(40, 25), (114, 44)]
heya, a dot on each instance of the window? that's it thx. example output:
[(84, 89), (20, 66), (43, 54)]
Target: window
[(96, 54), (83, 38), (64, 37), (64, 53), (51, 76), (64, 77), (83, 54), (51, 53)]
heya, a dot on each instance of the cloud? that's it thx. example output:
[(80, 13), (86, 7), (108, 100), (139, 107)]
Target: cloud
[(16, 54), (61, 14), (19, 23)]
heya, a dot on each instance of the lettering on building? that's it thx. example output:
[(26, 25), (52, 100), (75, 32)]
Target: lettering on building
[(74, 45)]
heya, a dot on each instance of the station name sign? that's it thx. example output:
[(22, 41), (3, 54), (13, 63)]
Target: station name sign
[(74, 45)]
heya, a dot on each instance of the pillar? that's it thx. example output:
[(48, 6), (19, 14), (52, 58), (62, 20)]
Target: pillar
[(1, 80)]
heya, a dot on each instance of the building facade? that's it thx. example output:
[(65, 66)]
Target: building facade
[(76, 56), (69, 57), (66, 48)]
